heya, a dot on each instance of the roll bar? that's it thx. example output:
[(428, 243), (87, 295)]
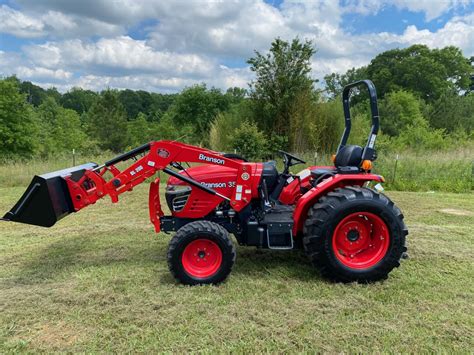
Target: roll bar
[(369, 151)]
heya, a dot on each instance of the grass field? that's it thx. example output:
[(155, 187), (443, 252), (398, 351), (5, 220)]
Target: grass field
[(447, 171), (98, 281)]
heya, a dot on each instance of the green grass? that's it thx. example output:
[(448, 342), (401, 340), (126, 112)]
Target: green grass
[(98, 281), (448, 171)]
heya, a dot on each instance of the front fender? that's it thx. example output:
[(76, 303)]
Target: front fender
[(327, 185)]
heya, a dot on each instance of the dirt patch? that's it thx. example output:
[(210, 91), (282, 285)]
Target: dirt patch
[(457, 212), (56, 336)]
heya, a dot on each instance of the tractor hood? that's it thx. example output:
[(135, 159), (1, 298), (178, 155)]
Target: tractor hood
[(208, 175)]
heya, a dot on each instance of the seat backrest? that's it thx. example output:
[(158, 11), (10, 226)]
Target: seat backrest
[(349, 155), (270, 175)]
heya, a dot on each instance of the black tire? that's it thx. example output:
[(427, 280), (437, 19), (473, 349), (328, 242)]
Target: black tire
[(208, 232), (325, 216)]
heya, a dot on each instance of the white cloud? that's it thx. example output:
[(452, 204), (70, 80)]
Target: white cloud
[(52, 24), (39, 73), (458, 32), (120, 62), (117, 12), (223, 77), (18, 24), (431, 8), (120, 54), (229, 29), (192, 40)]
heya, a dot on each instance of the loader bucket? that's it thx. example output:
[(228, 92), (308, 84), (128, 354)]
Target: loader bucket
[(47, 199)]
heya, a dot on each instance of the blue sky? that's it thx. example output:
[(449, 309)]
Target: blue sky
[(167, 45)]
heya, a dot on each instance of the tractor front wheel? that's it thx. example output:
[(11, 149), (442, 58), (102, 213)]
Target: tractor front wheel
[(201, 252), (355, 234)]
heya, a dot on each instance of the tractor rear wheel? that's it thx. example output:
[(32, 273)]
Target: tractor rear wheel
[(355, 234), (201, 252)]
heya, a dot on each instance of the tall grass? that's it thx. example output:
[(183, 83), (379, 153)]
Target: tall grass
[(449, 171), (20, 173)]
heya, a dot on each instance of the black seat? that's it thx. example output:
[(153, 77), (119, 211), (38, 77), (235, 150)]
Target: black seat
[(348, 161), (349, 156), (270, 175)]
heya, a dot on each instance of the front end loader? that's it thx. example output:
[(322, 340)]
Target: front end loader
[(349, 231)]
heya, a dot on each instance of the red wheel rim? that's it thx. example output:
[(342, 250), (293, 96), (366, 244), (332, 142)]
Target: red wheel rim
[(201, 258), (361, 240)]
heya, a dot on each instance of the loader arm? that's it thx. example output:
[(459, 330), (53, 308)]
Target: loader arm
[(159, 155), (73, 189)]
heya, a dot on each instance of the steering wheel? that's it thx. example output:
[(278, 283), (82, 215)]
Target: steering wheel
[(290, 160)]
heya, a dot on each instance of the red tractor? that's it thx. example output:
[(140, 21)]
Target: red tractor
[(349, 231)]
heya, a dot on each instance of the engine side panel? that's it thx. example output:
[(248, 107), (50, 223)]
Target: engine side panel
[(199, 203)]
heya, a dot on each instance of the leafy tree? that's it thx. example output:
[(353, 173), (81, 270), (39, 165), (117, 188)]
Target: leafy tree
[(419, 137), (423, 71), (236, 94), (146, 101), (471, 84), (249, 141), (78, 99), (452, 112), (400, 110), (226, 123), (53, 93), (281, 76), (35, 94), (198, 106), (162, 102), (107, 122), (140, 130), (302, 124), (17, 126), (60, 128), (167, 128), (132, 103), (158, 105), (328, 125), (335, 82)]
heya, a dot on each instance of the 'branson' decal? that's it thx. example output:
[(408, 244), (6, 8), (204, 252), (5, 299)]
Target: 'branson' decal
[(211, 159), (214, 185)]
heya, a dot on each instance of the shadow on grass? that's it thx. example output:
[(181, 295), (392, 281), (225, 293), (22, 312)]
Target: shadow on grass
[(262, 263), (77, 253), (81, 252)]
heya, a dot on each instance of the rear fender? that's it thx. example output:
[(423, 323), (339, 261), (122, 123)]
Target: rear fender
[(327, 185)]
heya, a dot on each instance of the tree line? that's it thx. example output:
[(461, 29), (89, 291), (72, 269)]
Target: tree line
[(426, 102)]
